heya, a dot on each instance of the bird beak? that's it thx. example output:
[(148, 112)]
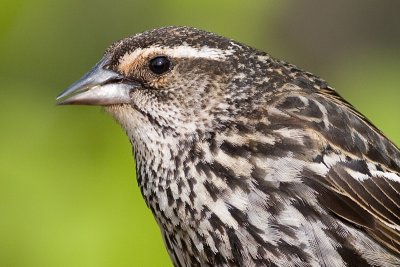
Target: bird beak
[(100, 86)]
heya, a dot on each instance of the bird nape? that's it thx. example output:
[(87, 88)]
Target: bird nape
[(246, 160)]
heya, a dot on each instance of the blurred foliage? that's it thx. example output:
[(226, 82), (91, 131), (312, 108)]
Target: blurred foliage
[(68, 195)]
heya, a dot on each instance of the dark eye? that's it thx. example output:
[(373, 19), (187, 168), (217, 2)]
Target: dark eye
[(159, 65)]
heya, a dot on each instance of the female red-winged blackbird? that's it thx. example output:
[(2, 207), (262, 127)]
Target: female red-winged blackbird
[(246, 160)]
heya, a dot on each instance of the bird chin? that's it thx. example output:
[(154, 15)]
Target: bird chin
[(117, 108)]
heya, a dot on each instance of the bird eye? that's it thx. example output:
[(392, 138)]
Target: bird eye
[(159, 65)]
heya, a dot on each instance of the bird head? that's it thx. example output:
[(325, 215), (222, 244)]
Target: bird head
[(179, 79)]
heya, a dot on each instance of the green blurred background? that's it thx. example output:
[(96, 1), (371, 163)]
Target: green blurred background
[(68, 194)]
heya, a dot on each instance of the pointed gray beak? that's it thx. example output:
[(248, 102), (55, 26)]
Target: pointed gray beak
[(99, 86)]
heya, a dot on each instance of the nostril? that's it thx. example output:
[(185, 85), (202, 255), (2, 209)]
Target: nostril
[(118, 79), (122, 80)]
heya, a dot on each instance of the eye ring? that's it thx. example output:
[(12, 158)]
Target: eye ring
[(159, 65)]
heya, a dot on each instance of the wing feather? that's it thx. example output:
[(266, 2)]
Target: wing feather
[(362, 184)]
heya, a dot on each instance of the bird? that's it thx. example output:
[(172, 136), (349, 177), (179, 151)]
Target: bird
[(245, 159)]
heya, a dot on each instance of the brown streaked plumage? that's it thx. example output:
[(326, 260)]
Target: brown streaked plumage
[(246, 160)]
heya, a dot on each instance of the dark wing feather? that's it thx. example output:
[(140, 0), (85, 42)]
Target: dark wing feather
[(383, 222)]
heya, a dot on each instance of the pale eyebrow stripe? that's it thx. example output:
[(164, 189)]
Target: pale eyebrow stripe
[(203, 52), (181, 51)]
